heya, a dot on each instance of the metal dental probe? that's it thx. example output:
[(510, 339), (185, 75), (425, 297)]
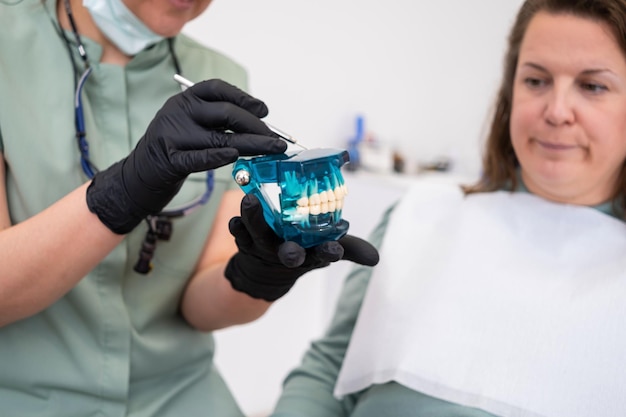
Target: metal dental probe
[(186, 83)]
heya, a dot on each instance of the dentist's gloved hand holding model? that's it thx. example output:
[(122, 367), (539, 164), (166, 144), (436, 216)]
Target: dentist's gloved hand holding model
[(266, 266), (187, 135)]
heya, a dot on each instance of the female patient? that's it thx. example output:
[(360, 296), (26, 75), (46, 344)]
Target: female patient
[(505, 297)]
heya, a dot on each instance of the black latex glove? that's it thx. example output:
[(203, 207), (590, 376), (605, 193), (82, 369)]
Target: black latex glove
[(188, 134), (267, 267)]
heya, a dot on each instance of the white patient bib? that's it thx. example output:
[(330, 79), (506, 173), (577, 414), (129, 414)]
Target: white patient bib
[(500, 301)]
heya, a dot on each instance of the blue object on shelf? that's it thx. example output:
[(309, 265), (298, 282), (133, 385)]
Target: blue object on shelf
[(302, 193), (353, 144)]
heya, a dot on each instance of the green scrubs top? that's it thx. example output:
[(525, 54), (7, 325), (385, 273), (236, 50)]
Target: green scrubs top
[(308, 389), (116, 344)]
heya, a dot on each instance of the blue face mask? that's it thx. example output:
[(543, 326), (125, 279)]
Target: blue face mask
[(121, 26)]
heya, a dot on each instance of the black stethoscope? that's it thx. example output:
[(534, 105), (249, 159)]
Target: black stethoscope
[(159, 225)]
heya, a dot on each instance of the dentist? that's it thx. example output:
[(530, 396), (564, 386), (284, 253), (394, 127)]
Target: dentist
[(117, 258)]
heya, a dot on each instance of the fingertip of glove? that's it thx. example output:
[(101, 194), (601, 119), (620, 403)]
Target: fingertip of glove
[(359, 251), (279, 146), (261, 110), (330, 251), (234, 225), (291, 254), (370, 257)]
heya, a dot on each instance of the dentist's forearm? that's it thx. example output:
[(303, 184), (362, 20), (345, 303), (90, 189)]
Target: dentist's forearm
[(48, 254)]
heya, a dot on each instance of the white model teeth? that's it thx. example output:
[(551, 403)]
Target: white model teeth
[(317, 197), (322, 202)]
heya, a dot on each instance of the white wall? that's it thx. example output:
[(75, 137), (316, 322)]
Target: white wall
[(423, 73)]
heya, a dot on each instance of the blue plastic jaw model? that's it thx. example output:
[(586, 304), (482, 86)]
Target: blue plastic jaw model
[(302, 193)]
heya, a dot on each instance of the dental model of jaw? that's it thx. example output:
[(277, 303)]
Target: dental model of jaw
[(302, 193), (316, 201)]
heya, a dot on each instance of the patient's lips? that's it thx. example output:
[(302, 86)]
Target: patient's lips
[(182, 4), (556, 146)]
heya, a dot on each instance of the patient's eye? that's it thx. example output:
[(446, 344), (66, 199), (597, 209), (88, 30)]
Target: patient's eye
[(535, 82), (593, 87)]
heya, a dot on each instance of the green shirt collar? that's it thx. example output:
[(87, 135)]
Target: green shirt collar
[(606, 207)]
